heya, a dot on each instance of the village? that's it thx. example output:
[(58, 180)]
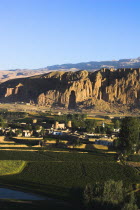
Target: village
[(44, 132)]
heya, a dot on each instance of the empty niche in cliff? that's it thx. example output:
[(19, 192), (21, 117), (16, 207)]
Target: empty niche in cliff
[(72, 100)]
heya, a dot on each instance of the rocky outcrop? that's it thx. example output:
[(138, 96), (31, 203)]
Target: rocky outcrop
[(72, 89), (11, 91)]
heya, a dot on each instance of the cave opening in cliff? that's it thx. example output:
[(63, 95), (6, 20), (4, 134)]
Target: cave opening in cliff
[(72, 100)]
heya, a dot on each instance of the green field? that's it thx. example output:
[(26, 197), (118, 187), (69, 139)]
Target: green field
[(63, 175)]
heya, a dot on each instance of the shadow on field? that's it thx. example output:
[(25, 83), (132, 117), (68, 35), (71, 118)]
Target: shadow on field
[(43, 205), (76, 197), (56, 197)]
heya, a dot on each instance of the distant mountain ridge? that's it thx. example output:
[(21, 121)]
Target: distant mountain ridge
[(89, 66), (95, 65)]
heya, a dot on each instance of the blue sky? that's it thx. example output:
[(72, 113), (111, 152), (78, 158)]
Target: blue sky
[(38, 33)]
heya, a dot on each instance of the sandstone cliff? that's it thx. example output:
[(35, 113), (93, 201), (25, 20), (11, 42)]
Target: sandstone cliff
[(73, 89)]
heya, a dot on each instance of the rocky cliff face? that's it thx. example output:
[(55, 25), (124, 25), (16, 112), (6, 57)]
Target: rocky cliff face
[(72, 89)]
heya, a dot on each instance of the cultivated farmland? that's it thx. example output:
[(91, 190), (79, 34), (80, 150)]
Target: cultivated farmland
[(61, 175)]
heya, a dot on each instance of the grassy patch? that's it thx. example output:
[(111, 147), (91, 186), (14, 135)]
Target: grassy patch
[(8, 167)]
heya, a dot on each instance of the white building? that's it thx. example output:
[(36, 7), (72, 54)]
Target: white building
[(27, 133), (58, 125)]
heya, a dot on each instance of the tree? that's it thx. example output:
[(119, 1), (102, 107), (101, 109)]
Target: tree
[(19, 131), (109, 129), (88, 196), (28, 127), (90, 125), (37, 127), (98, 129), (3, 122), (116, 124), (42, 132), (77, 124), (131, 204), (76, 142), (113, 192), (129, 134), (109, 195)]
